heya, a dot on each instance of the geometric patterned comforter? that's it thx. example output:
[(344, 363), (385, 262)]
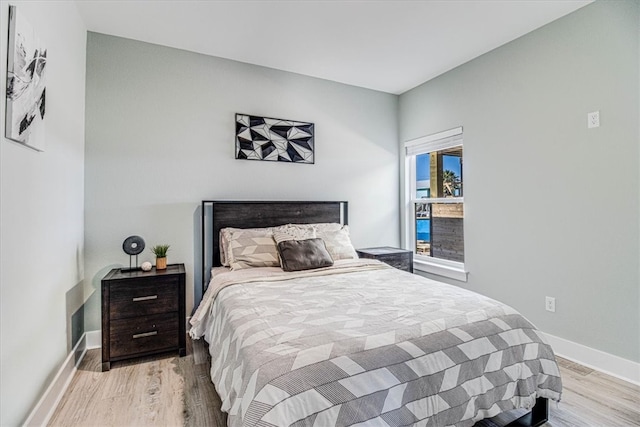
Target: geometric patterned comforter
[(363, 344)]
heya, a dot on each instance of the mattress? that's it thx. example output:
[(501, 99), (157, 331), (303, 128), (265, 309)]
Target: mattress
[(361, 343)]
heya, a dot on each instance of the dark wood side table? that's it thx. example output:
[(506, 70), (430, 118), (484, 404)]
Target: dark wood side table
[(401, 259), (143, 312)]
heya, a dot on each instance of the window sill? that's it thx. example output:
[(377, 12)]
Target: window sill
[(452, 270)]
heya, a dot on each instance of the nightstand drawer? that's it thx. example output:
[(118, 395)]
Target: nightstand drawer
[(141, 298), (143, 334)]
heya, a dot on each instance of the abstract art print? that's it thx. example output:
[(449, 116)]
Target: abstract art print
[(277, 140), (26, 83)]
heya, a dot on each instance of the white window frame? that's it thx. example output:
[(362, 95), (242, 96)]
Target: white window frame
[(427, 144)]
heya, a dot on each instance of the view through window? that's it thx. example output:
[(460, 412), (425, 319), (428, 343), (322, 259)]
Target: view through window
[(436, 183)]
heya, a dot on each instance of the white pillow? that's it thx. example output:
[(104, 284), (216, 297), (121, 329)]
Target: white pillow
[(293, 232), (251, 247), (223, 243), (336, 239), (338, 242)]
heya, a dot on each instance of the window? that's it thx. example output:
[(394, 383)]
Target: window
[(435, 203)]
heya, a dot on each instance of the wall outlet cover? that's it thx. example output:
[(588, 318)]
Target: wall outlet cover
[(593, 119), (550, 304)]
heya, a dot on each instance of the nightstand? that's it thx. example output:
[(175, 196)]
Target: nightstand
[(143, 312), (401, 259)]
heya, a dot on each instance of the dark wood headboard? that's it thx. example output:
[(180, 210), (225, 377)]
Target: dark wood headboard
[(218, 214)]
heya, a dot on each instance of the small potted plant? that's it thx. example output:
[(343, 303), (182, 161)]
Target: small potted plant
[(160, 251)]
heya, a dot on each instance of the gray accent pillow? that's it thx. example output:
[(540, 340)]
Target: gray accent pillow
[(296, 255)]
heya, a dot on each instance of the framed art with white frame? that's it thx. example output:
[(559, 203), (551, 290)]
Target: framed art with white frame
[(26, 83)]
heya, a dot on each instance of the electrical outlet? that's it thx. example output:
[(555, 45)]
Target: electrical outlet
[(593, 119), (550, 304)]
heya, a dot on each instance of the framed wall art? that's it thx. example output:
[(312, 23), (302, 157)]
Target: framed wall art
[(277, 140), (26, 83)]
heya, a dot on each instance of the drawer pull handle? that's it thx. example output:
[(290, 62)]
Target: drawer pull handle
[(145, 334), (146, 298)]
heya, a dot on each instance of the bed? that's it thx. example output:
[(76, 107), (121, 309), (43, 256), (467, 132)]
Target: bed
[(355, 342)]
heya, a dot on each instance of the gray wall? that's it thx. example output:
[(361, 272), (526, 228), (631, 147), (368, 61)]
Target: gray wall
[(160, 138), (41, 217), (551, 207)]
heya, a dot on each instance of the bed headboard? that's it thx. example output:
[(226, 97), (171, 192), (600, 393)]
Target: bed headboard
[(218, 214)]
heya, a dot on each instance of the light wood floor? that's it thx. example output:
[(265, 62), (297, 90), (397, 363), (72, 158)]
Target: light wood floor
[(168, 390)]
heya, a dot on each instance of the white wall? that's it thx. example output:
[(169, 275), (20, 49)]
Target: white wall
[(551, 207), (160, 138), (41, 222)]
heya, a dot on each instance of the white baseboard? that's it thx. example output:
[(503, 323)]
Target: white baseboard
[(42, 412), (607, 363), (94, 339)]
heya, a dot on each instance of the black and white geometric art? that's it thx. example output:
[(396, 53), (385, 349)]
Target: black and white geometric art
[(265, 138), (26, 83)]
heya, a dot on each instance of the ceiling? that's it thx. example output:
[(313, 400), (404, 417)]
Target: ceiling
[(390, 46)]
